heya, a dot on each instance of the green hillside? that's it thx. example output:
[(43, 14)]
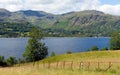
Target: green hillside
[(84, 23), (42, 69), (87, 56)]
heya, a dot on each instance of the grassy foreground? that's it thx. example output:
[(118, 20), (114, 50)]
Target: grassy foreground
[(101, 56)]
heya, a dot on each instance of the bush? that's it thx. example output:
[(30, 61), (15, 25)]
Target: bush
[(69, 52), (8, 62), (95, 48), (21, 61), (11, 61), (2, 61), (105, 48), (52, 54)]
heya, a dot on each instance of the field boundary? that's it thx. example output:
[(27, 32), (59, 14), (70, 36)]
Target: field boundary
[(82, 65)]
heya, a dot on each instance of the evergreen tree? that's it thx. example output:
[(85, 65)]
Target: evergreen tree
[(35, 50)]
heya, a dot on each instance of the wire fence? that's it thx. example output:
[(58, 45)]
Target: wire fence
[(82, 65)]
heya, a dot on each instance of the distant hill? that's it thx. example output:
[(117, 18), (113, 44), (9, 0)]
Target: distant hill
[(4, 13), (83, 23)]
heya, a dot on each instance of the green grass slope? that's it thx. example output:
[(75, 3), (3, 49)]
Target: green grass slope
[(87, 56), (39, 69)]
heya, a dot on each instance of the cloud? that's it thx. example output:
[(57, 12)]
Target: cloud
[(59, 6), (12, 5), (110, 9)]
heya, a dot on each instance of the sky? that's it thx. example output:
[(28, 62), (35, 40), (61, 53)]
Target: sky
[(62, 6)]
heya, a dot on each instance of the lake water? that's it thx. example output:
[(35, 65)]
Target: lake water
[(16, 46)]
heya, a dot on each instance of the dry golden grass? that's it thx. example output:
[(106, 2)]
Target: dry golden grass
[(57, 66), (53, 71)]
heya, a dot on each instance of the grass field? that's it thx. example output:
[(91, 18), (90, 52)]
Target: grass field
[(92, 57)]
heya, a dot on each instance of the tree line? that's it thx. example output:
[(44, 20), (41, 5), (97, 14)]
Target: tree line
[(14, 29)]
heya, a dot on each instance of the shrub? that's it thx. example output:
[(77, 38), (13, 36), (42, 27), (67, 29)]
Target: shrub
[(95, 48), (2, 61), (105, 48), (69, 52), (11, 61), (52, 54), (21, 61)]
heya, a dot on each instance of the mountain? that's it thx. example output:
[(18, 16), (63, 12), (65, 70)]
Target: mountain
[(27, 15), (34, 13), (4, 13), (83, 23)]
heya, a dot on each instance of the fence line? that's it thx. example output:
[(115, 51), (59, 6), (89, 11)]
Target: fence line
[(82, 65)]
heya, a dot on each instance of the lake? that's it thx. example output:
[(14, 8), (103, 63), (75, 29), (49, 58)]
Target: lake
[(16, 46)]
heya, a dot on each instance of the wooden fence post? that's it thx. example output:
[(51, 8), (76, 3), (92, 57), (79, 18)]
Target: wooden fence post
[(38, 64), (43, 64), (110, 64), (72, 65), (88, 65), (81, 65), (48, 64), (57, 64), (63, 64), (98, 65)]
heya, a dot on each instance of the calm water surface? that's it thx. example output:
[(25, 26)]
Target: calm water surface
[(16, 46)]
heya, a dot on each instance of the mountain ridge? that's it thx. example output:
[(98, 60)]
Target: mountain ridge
[(82, 23)]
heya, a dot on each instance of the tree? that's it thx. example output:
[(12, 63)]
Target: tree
[(11, 61), (115, 41), (94, 48), (35, 50), (52, 54)]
